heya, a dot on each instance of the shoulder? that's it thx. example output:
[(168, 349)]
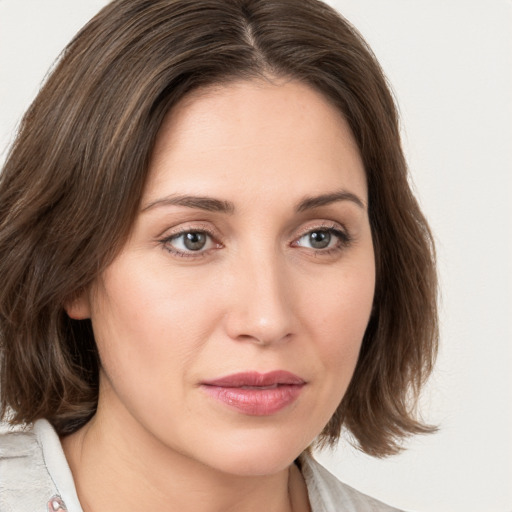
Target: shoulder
[(25, 482), (328, 494)]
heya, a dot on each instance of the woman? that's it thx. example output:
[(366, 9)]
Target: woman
[(211, 261)]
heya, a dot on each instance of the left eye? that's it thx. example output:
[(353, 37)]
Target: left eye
[(190, 241), (319, 239)]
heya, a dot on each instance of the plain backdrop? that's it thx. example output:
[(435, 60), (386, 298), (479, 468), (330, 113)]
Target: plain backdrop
[(450, 65)]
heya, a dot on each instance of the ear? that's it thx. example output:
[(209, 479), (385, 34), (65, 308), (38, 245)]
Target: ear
[(78, 307)]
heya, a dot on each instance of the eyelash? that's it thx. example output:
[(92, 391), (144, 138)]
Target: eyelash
[(343, 241)]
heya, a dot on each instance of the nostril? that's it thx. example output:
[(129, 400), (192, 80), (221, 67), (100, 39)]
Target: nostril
[(264, 338)]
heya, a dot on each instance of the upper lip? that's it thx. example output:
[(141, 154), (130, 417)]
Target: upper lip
[(256, 379)]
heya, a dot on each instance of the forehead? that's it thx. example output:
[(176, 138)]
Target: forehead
[(280, 135)]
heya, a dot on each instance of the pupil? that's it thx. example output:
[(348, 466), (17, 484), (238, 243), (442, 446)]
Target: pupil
[(195, 241), (320, 239)]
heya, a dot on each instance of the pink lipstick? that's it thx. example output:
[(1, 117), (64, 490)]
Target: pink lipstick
[(256, 394)]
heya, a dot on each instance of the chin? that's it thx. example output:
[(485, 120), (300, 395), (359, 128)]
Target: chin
[(255, 453)]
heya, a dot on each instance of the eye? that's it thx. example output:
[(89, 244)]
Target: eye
[(321, 239), (189, 241)]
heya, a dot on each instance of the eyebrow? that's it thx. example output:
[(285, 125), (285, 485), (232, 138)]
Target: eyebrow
[(310, 203), (205, 203), (211, 204)]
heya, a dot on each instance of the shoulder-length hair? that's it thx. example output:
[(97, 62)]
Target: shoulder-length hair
[(72, 183)]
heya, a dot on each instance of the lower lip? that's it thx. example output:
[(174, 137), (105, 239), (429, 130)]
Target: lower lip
[(256, 402)]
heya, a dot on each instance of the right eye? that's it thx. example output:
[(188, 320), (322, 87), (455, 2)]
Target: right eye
[(188, 242)]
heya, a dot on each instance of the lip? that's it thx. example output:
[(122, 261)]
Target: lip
[(256, 394)]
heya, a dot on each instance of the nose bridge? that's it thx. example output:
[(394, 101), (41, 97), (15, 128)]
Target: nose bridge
[(261, 308)]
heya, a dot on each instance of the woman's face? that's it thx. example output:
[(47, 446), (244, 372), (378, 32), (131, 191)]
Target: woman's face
[(230, 324)]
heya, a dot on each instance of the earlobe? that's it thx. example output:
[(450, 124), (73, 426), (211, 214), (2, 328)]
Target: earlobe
[(78, 307)]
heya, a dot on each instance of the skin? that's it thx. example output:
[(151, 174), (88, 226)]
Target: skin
[(258, 296)]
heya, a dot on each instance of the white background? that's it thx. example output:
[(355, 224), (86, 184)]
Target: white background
[(450, 64)]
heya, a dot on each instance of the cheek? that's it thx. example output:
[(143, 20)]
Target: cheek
[(342, 307), (143, 320), (340, 316), (336, 319)]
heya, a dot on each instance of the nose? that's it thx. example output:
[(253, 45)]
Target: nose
[(261, 307)]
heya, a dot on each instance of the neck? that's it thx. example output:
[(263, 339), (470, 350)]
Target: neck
[(122, 465)]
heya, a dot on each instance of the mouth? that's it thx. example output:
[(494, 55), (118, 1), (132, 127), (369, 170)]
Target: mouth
[(256, 394)]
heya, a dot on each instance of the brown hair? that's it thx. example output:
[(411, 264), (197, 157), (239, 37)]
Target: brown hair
[(73, 180)]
